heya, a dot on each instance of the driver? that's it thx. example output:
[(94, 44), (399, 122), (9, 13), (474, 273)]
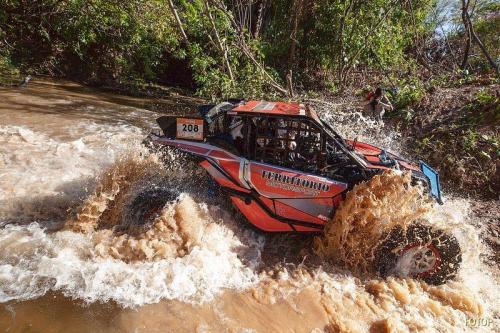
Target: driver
[(235, 130)]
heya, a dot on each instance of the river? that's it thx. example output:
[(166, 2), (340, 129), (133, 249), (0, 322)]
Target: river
[(71, 156)]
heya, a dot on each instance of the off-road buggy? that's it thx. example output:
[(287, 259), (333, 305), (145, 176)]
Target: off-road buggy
[(286, 170)]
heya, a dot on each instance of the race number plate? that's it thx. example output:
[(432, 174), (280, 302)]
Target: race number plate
[(189, 128)]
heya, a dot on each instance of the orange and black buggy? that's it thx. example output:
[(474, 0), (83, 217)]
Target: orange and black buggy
[(286, 170)]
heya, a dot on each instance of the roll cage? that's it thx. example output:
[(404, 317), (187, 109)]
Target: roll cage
[(296, 142)]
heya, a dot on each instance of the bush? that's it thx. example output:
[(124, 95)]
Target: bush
[(111, 41), (99, 41)]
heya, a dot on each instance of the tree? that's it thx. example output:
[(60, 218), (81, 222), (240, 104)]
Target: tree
[(471, 35)]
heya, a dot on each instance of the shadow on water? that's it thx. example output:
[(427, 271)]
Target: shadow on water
[(50, 211)]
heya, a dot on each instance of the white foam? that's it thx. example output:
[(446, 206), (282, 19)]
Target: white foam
[(34, 262), (36, 167), (474, 273)]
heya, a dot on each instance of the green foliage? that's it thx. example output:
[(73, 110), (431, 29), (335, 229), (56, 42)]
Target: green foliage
[(405, 96), (485, 110), (112, 41), (338, 36), (486, 23), (9, 74), (209, 67), (99, 40), (486, 97), (466, 147), (408, 94), (488, 27)]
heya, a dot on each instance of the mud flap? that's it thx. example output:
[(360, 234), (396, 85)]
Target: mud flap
[(433, 177)]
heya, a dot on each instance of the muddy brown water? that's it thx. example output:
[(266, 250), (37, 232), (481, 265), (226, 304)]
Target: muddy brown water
[(70, 161)]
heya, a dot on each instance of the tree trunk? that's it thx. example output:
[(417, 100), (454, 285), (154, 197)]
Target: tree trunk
[(480, 43), (297, 12), (260, 18), (178, 20), (289, 84), (222, 48), (309, 11), (468, 42), (340, 42)]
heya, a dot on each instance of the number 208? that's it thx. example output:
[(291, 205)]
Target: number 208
[(190, 128)]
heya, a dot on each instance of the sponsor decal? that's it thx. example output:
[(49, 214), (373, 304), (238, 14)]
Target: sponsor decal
[(293, 183)]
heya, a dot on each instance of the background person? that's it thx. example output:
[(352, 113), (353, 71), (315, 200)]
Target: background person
[(378, 103)]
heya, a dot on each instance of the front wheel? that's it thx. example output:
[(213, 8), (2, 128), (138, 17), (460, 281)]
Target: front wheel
[(419, 252)]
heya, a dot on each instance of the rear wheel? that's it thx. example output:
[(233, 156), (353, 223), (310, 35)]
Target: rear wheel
[(146, 207), (419, 252)]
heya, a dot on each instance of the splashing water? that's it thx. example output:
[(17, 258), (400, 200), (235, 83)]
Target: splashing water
[(182, 225), (351, 123), (105, 205), (186, 254), (371, 209), (65, 194)]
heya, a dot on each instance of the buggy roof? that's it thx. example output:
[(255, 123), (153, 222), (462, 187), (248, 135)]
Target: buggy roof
[(275, 108)]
